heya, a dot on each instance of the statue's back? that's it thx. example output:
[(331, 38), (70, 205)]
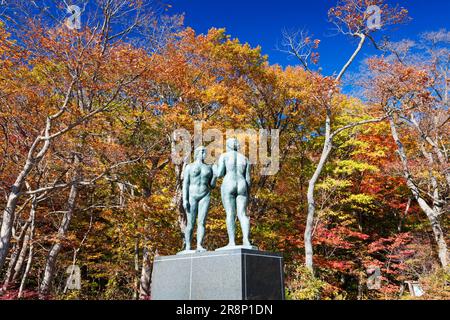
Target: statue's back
[(235, 163)]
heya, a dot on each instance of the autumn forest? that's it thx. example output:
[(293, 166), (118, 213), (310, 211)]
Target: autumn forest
[(87, 117)]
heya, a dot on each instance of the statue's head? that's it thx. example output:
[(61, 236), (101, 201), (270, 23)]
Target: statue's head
[(200, 153), (233, 144)]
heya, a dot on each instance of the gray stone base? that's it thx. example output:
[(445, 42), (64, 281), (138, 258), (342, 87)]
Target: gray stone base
[(237, 274)]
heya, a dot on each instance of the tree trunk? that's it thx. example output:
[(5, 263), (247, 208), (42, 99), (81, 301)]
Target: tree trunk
[(18, 267), (9, 213), (144, 292), (31, 162), (19, 247), (11, 204), (56, 248), (440, 240), (328, 145), (31, 249), (136, 269), (178, 200), (360, 287), (433, 213), (442, 158), (310, 195)]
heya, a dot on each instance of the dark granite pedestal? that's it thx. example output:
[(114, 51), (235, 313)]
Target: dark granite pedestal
[(236, 274)]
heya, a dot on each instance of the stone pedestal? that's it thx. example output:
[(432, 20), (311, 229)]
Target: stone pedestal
[(237, 274)]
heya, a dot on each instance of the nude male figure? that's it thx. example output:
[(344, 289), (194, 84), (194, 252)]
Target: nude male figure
[(197, 184)]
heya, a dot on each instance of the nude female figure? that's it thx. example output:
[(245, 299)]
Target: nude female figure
[(235, 168)]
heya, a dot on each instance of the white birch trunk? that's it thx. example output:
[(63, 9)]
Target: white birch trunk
[(31, 249), (433, 213), (63, 228)]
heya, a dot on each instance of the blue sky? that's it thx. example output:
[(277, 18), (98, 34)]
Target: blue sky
[(260, 22)]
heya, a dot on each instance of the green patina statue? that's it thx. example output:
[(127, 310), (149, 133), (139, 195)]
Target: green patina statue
[(235, 168), (198, 180)]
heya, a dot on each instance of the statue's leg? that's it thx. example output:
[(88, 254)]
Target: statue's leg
[(241, 202), (203, 207), (229, 203), (190, 223)]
